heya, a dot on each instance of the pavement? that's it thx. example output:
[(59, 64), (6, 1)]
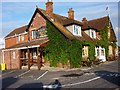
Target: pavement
[(105, 76), (68, 69)]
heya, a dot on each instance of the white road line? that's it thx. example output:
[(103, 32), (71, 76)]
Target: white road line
[(41, 75), (6, 73), (22, 74), (81, 82)]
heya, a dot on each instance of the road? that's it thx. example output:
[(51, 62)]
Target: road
[(103, 76)]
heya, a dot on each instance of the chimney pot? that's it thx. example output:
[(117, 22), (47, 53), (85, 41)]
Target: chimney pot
[(71, 13), (49, 7), (84, 20)]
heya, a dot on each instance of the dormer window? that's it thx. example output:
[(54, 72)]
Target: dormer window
[(74, 29), (92, 33), (77, 30)]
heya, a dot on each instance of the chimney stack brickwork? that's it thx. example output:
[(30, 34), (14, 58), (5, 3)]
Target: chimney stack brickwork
[(84, 20), (71, 13), (49, 7)]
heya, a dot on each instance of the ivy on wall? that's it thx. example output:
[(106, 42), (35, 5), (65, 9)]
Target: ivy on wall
[(61, 49), (91, 49), (104, 42)]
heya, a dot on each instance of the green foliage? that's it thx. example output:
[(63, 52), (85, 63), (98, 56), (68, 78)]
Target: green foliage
[(75, 53), (91, 51), (104, 42), (61, 49)]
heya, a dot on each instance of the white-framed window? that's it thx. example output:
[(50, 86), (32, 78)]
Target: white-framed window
[(19, 38), (77, 30), (14, 55), (22, 37), (100, 51), (92, 33), (85, 51), (34, 34)]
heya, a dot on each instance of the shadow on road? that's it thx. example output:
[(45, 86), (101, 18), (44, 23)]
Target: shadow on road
[(112, 77), (6, 82), (72, 75), (56, 85), (31, 86)]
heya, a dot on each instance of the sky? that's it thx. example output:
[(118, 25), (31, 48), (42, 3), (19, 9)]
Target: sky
[(16, 14)]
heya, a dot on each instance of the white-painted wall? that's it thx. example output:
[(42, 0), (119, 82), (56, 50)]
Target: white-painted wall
[(70, 28)]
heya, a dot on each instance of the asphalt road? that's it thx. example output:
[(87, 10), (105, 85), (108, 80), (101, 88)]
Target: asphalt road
[(103, 76)]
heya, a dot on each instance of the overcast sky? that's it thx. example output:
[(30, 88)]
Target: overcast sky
[(16, 14)]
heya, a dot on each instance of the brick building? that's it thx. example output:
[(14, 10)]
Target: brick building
[(24, 46)]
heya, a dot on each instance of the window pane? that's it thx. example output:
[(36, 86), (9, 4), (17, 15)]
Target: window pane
[(102, 52), (97, 52), (22, 37), (76, 29)]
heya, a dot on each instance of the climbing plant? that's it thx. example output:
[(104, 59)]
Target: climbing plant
[(61, 49), (104, 42)]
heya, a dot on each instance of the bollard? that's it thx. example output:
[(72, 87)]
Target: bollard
[(2, 66)]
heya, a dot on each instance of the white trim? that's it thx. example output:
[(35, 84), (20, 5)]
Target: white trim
[(79, 30), (16, 35), (22, 48), (94, 33)]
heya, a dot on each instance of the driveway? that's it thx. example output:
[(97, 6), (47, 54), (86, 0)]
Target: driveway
[(103, 76)]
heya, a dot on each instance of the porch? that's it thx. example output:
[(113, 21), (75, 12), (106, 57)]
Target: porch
[(31, 57)]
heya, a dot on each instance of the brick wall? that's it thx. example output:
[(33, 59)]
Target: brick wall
[(10, 42), (15, 40), (11, 61), (98, 35), (37, 22)]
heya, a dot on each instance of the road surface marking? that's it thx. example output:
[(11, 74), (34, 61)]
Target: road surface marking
[(6, 73), (22, 74), (41, 75), (81, 82)]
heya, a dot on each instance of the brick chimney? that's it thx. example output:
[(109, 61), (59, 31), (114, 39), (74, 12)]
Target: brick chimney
[(49, 7), (84, 20), (71, 13)]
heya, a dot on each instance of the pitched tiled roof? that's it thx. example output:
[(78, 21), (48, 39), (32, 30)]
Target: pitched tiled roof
[(61, 21), (98, 24), (17, 31)]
